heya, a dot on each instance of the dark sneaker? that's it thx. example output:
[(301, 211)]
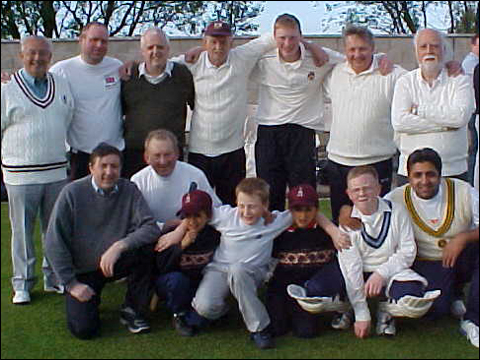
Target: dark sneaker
[(135, 323), (263, 339), (181, 326)]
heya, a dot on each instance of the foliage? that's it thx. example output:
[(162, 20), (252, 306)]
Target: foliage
[(124, 18)]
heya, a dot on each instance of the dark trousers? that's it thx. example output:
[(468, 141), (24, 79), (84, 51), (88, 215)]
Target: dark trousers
[(472, 303), (224, 172), (79, 162), (177, 290), (329, 282), (285, 155), (337, 177), (83, 318)]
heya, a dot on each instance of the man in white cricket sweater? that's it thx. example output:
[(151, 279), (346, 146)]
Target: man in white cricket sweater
[(37, 109), (361, 131), (431, 109), (95, 83)]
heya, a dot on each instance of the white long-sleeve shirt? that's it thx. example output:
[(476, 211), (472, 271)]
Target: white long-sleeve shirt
[(361, 132), (389, 249), (292, 93), (441, 120), (221, 98)]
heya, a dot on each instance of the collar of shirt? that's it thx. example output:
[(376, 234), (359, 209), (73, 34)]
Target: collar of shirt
[(37, 85), (441, 78), (382, 207), (296, 64), (102, 192), (211, 66), (142, 71)]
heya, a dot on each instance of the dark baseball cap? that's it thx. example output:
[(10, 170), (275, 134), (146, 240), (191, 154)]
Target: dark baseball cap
[(302, 195), (194, 202), (218, 28)]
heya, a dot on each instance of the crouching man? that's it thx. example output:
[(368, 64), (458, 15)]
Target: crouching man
[(100, 230), (377, 264)]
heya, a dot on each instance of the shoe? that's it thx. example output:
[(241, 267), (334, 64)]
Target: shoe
[(21, 297), (181, 326), (135, 323), (263, 339), (470, 330), (385, 324), (59, 289), (458, 309), (342, 321)]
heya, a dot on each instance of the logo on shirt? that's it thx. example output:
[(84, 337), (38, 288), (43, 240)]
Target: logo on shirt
[(110, 81), (311, 76)]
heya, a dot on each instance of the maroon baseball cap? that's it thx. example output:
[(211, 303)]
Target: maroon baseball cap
[(302, 195), (194, 202), (218, 28)]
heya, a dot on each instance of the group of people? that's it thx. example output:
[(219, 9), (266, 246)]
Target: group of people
[(193, 233)]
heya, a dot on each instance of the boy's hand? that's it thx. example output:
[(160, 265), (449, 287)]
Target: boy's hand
[(341, 240), (345, 219), (268, 216), (189, 238), (362, 329), (172, 238), (374, 285)]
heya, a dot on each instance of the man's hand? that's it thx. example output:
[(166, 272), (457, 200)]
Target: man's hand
[(192, 55), (454, 68), (345, 219), (126, 70), (110, 257), (374, 285), (320, 57), (452, 251), (6, 77), (362, 329), (81, 292), (171, 238), (385, 65)]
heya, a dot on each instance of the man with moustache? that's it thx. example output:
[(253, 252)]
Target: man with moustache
[(431, 109)]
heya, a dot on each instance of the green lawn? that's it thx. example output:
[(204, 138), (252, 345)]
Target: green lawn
[(39, 331)]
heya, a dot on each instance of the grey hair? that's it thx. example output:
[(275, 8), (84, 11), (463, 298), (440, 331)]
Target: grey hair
[(154, 30), (447, 51), (360, 31), (47, 41)]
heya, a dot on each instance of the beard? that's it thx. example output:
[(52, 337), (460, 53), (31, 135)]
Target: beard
[(430, 65)]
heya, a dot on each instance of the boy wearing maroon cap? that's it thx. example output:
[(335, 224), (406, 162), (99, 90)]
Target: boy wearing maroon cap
[(301, 251), (180, 267)]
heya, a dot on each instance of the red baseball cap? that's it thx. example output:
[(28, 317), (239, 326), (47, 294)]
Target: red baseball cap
[(302, 195), (194, 202), (218, 28)]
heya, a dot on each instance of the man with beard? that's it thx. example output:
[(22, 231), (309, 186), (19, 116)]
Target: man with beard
[(431, 109)]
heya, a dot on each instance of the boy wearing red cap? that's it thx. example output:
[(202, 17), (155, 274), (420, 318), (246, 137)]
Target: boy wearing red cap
[(180, 267), (301, 251)]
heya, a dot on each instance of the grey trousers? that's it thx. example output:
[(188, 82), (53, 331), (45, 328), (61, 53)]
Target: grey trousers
[(242, 282), (25, 202)]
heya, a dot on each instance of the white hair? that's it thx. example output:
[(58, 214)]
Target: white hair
[(154, 30), (25, 39), (446, 49)]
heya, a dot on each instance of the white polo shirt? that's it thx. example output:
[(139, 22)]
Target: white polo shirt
[(221, 98), (291, 93), (440, 123)]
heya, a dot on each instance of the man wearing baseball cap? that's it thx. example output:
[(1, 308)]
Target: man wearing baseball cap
[(180, 267)]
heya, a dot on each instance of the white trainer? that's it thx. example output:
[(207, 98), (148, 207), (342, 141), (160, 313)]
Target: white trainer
[(385, 324), (470, 330), (59, 289), (342, 321), (458, 309), (21, 297)]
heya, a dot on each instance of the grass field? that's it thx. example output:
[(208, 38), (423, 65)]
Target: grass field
[(39, 331)]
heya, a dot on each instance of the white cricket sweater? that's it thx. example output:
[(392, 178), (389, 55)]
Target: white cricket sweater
[(34, 131), (98, 109)]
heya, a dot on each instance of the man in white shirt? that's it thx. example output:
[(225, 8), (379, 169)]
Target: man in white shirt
[(155, 97), (164, 182), (431, 109), (290, 110), (468, 65), (37, 109), (95, 84), (361, 131)]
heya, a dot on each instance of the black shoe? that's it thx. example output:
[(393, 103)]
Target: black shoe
[(135, 323), (263, 339), (181, 326)]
